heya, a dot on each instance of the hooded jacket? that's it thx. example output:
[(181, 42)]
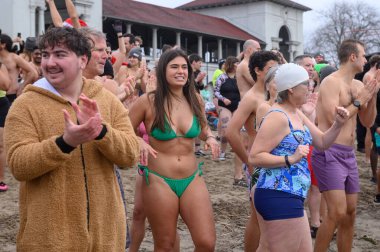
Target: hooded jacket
[(68, 201)]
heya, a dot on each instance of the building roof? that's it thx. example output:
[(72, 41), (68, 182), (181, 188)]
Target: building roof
[(204, 4), (143, 13)]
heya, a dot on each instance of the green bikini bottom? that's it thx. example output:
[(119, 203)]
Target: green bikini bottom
[(178, 186)]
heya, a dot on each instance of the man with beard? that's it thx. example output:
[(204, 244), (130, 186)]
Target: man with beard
[(36, 57)]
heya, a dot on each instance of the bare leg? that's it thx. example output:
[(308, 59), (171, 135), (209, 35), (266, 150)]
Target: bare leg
[(238, 163), (224, 117), (196, 212), (161, 206), (285, 235), (252, 230), (314, 202), (323, 208), (138, 221), (4, 187), (373, 159), (336, 211), (238, 173), (219, 126), (346, 226), (368, 145)]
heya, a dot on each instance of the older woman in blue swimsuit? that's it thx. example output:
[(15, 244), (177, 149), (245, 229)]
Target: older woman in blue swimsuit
[(280, 149), (174, 116)]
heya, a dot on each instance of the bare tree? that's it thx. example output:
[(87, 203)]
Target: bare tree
[(346, 21)]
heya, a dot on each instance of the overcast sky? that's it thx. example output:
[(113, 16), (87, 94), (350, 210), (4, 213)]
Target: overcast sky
[(311, 18)]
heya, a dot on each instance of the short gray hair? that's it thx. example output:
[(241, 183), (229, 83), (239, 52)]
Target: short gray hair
[(282, 96), (268, 78), (299, 58), (92, 33), (270, 75)]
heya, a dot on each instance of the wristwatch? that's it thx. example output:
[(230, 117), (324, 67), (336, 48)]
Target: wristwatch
[(357, 104)]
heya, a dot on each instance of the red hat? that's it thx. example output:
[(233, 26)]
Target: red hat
[(69, 23)]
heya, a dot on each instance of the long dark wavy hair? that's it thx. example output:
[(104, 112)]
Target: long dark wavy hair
[(163, 93)]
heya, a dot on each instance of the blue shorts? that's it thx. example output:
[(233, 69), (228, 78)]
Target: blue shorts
[(278, 205)]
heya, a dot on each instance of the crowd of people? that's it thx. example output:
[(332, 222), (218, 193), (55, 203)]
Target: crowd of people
[(73, 112)]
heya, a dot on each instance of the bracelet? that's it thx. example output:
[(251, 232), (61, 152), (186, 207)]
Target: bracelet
[(287, 161)]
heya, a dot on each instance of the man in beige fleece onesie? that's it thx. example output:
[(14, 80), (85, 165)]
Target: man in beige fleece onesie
[(62, 137)]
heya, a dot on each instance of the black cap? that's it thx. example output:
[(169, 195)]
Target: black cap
[(319, 54), (221, 62), (31, 44), (326, 71), (135, 52)]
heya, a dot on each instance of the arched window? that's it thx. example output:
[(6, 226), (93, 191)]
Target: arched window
[(284, 46)]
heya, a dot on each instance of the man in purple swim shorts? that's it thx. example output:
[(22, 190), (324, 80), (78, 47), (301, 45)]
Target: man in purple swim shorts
[(336, 168)]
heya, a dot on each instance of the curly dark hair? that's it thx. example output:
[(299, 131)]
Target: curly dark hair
[(71, 38), (163, 93), (259, 59), (5, 39)]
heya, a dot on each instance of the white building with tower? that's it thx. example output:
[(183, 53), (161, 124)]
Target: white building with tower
[(219, 27)]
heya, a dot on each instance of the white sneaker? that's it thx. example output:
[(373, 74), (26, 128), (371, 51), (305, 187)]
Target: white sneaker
[(222, 156)]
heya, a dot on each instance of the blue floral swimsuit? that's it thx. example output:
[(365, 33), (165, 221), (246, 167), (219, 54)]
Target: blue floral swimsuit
[(296, 179)]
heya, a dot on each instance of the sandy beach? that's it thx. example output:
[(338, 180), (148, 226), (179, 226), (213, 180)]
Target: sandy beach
[(231, 210)]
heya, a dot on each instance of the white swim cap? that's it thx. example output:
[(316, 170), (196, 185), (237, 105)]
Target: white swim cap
[(290, 75)]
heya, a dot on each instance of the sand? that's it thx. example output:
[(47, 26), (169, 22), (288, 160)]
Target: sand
[(231, 210)]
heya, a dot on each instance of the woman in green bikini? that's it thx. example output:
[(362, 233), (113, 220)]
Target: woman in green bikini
[(174, 116)]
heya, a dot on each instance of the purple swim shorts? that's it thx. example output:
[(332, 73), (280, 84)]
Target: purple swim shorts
[(336, 169)]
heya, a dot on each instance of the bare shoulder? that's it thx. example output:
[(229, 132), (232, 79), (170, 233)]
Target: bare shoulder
[(263, 108), (357, 83), (16, 58), (243, 64), (142, 103), (123, 68), (111, 85), (247, 101), (331, 84), (146, 98), (275, 119), (111, 82)]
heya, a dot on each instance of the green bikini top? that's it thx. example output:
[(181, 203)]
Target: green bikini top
[(170, 134)]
